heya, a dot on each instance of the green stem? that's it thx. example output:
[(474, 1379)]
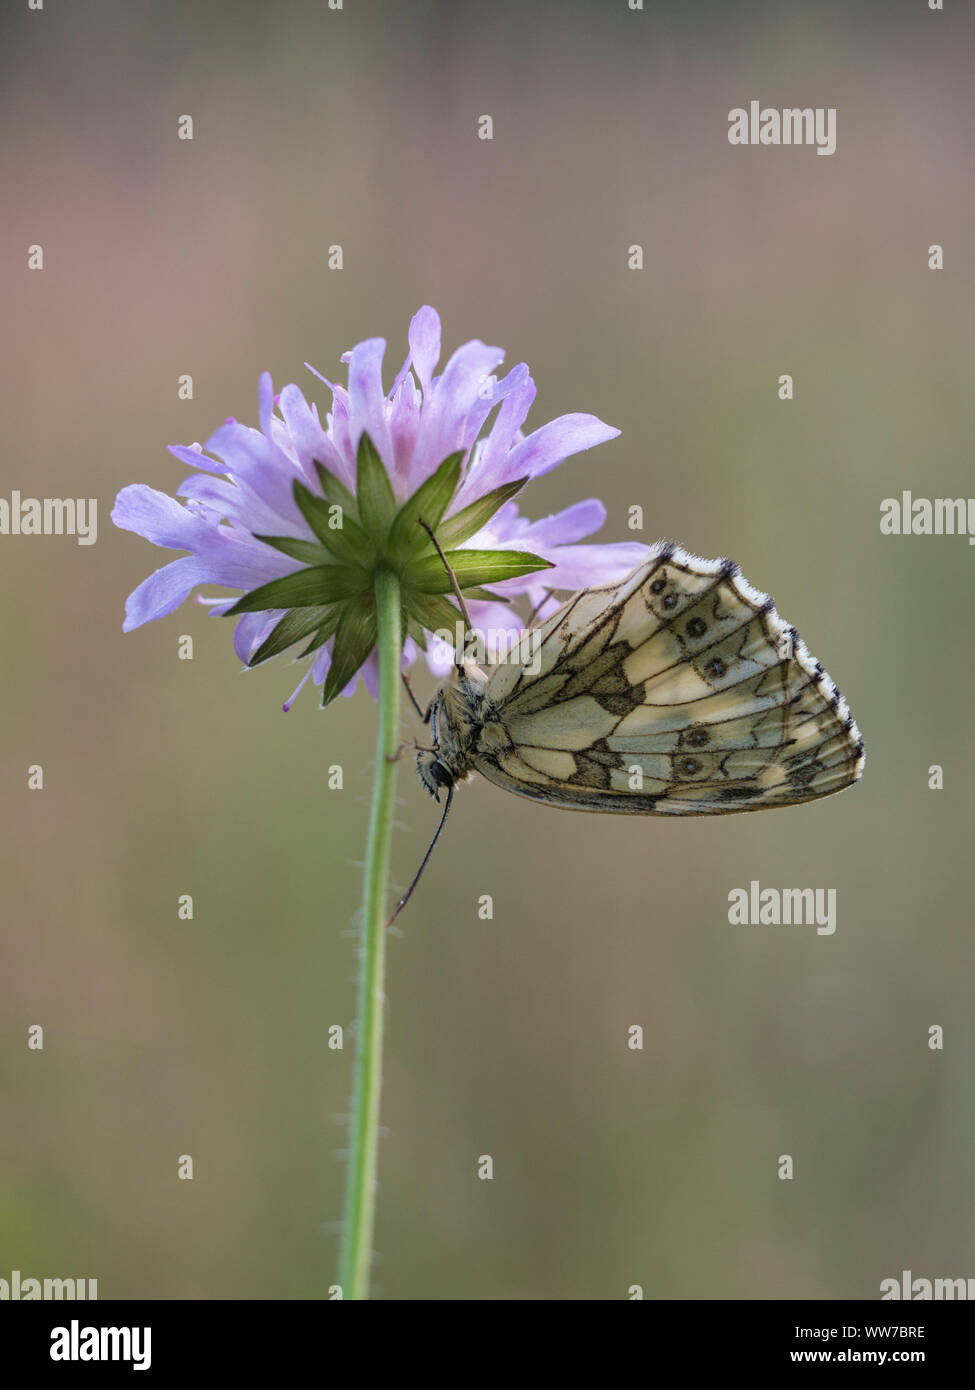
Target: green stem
[(360, 1192)]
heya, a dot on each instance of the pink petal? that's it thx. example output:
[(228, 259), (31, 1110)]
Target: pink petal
[(265, 397), (163, 591), (548, 446), (425, 348), (565, 527), (367, 412)]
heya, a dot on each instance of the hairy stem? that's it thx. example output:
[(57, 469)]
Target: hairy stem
[(360, 1193)]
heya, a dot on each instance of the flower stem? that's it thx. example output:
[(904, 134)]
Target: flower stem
[(360, 1192)]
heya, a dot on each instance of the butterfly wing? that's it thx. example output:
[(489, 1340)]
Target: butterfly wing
[(679, 691)]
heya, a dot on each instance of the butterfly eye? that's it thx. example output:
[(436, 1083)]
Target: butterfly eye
[(697, 627), (716, 667), (697, 738), (670, 601), (658, 586)]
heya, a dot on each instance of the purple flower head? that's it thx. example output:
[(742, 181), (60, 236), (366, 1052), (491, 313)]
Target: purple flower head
[(300, 517)]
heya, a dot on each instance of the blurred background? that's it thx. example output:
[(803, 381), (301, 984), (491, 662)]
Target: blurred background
[(165, 777)]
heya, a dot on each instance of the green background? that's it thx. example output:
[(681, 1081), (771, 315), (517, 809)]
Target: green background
[(163, 777)]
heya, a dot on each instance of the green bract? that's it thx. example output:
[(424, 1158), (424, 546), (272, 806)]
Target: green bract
[(358, 536)]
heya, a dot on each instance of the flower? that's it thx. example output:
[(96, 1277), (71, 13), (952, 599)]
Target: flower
[(300, 517)]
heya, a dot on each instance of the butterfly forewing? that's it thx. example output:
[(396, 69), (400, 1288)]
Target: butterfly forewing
[(678, 691)]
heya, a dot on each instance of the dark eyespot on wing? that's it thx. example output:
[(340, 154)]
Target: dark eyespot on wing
[(687, 767), (696, 737)]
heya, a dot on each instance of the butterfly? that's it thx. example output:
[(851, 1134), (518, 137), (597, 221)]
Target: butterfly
[(679, 691)]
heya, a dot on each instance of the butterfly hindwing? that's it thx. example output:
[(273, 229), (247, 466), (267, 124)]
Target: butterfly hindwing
[(679, 691)]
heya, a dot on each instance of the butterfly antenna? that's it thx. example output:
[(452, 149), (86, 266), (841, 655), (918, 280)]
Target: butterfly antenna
[(458, 656), (426, 859)]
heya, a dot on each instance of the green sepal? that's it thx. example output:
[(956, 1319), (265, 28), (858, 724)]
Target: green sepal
[(355, 638), (308, 552), (470, 567), (336, 492), (415, 630), (428, 503), (306, 588), (296, 624), (434, 612), (457, 529), (374, 492), (486, 595), (348, 543), (323, 633)]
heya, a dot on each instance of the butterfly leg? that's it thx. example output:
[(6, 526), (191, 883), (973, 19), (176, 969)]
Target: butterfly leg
[(418, 747), (424, 715), (395, 757)]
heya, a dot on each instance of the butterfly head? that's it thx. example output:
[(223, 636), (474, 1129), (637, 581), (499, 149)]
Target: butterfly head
[(433, 773), (455, 721)]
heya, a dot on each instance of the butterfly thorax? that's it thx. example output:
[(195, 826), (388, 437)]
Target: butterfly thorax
[(463, 722)]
